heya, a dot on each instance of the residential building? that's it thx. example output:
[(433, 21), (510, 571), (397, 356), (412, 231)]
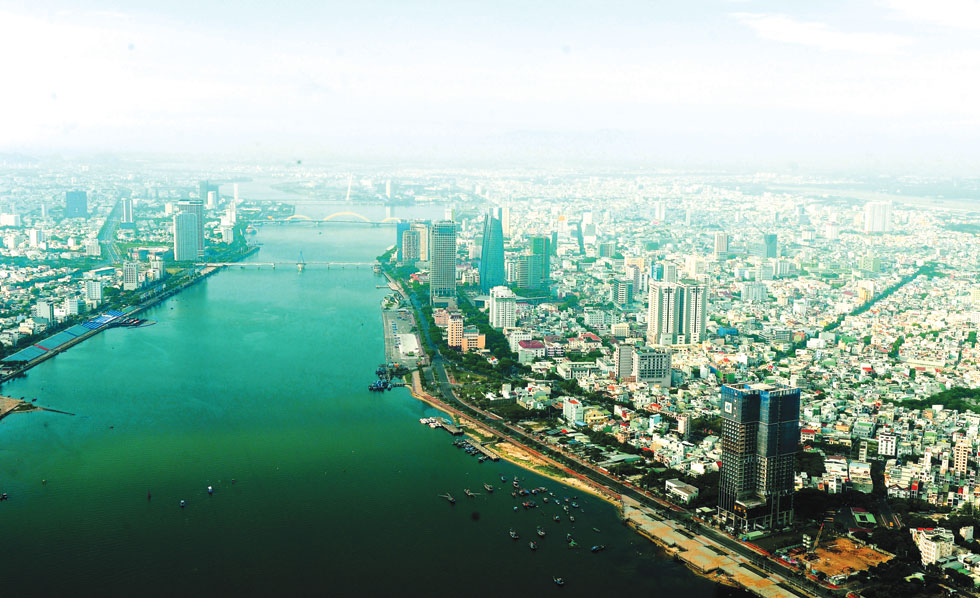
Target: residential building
[(503, 307)]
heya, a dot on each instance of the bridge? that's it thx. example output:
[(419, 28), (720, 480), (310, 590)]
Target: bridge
[(336, 217), (275, 265)]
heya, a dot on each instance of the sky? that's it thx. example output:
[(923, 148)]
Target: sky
[(888, 83)]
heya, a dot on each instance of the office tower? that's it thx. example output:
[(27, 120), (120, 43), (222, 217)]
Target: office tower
[(195, 207), (131, 276), (492, 254), (76, 204), (400, 227), (442, 262), (422, 227), (44, 310), (93, 291), (770, 246), (126, 204), (411, 245), (677, 313), (721, 244), (503, 307), (212, 202), (505, 221), (695, 312), (623, 360), (670, 273), (186, 247), (539, 274), (877, 217), (652, 365), (760, 434)]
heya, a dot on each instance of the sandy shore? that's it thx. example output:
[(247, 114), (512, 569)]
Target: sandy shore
[(10, 405)]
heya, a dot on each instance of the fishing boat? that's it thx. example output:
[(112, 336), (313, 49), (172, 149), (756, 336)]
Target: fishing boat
[(503, 479), (532, 545), (598, 547), (557, 518), (559, 580), (571, 518), (595, 529), (448, 497), (488, 488), (183, 504), (541, 532), (513, 534), (467, 492)]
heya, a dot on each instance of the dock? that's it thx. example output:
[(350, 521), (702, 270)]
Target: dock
[(452, 429), (489, 454)]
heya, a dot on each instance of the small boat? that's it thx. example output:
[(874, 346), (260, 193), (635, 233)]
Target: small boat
[(573, 544), (532, 545), (595, 529), (571, 518), (503, 479), (183, 504), (557, 518), (559, 580), (568, 538), (488, 487), (515, 508), (598, 547), (513, 534), (210, 490), (545, 499), (469, 493), (448, 497), (574, 505), (541, 532), (516, 485)]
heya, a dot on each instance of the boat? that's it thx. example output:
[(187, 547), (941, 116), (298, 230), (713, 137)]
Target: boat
[(568, 537), (448, 497), (571, 518), (541, 532), (503, 479), (545, 499), (598, 547), (573, 544), (183, 504), (595, 529), (532, 545), (574, 505), (513, 534), (516, 485), (559, 580), (557, 518), (469, 493), (488, 487)]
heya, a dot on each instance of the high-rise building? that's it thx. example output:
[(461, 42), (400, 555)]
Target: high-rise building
[(503, 307), (195, 207), (93, 291), (770, 245), (492, 254), (652, 365), (157, 270), (677, 313), (422, 227), (623, 359), (539, 274), (505, 221), (131, 276), (186, 247), (684, 425), (961, 456), (126, 204), (442, 262), (73, 306), (454, 330), (760, 438), (76, 204), (411, 246), (721, 244), (400, 227), (44, 310), (36, 237), (670, 273), (622, 292), (212, 201), (204, 189), (660, 210), (877, 217)]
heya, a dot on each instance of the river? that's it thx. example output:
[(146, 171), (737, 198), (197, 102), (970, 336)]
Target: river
[(254, 382)]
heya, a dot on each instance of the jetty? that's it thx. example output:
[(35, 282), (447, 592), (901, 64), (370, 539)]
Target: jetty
[(451, 428), (487, 452)]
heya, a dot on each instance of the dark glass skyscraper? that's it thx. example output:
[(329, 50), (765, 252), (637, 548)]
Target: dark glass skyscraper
[(759, 440), (492, 257)]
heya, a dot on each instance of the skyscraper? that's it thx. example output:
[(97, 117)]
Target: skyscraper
[(410, 246), (186, 247), (76, 204), (760, 437), (492, 256), (400, 227), (877, 217), (131, 276), (204, 188), (195, 207), (442, 262), (623, 359), (695, 312), (422, 227), (539, 274)]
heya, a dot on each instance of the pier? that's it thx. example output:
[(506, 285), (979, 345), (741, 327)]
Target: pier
[(487, 452), (452, 429)]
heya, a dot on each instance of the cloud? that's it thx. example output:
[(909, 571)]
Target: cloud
[(782, 28), (958, 14)]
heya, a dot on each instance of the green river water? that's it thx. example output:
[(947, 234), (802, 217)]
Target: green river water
[(260, 376)]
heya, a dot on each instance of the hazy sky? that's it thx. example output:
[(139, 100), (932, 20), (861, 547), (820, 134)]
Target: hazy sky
[(893, 80)]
